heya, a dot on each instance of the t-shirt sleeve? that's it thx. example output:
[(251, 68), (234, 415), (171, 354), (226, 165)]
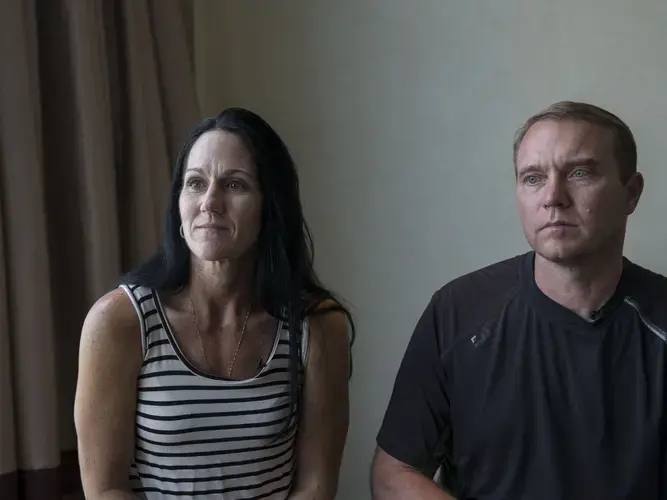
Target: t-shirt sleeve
[(418, 412)]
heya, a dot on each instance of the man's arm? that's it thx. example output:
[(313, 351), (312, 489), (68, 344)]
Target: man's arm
[(417, 417), (392, 479)]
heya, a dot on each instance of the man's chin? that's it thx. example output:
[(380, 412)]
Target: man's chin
[(561, 254)]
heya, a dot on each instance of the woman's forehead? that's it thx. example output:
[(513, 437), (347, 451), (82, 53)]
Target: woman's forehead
[(220, 151)]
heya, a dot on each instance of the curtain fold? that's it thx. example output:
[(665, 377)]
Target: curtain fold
[(96, 96)]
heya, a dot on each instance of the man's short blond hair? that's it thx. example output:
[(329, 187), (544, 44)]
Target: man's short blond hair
[(625, 148)]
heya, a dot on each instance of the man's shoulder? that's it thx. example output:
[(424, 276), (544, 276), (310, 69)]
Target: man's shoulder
[(477, 299), (495, 279), (647, 292), (645, 277), (470, 303)]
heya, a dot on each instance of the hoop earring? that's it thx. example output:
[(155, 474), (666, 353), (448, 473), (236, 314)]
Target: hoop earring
[(180, 231)]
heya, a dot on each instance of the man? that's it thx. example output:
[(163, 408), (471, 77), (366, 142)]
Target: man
[(542, 377)]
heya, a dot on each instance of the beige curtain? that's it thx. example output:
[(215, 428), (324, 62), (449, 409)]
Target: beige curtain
[(96, 96)]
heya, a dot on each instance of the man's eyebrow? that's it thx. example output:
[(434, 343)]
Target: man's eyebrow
[(529, 169), (586, 161)]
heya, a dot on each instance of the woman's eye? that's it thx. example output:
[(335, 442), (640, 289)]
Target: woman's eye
[(195, 184), (235, 185), (579, 173)]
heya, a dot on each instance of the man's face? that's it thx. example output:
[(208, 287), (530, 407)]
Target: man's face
[(572, 201)]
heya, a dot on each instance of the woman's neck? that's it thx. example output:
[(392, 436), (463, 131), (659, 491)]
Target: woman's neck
[(221, 290)]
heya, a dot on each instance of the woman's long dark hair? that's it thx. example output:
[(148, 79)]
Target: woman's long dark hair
[(285, 285)]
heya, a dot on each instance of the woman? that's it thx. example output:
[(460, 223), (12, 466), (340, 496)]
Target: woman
[(219, 368)]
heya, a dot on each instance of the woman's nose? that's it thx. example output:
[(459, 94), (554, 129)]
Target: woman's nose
[(214, 200)]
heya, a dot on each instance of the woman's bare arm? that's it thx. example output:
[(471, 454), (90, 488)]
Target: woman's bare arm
[(325, 411), (110, 358)]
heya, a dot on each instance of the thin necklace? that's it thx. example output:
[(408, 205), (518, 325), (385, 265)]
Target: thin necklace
[(201, 340)]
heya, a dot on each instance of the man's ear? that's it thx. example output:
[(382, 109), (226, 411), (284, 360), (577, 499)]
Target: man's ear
[(634, 188)]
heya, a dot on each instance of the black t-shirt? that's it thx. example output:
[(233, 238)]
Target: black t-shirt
[(520, 398)]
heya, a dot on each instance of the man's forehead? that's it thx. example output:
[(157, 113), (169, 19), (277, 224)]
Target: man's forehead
[(563, 141)]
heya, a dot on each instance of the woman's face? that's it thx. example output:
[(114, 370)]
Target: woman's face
[(220, 202)]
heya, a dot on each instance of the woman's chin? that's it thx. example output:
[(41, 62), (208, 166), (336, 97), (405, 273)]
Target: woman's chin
[(215, 254)]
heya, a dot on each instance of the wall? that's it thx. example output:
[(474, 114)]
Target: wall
[(401, 116)]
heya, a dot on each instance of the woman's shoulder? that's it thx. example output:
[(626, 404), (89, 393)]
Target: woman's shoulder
[(114, 307), (328, 325), (329, 312), (110, 361), (112, 324)]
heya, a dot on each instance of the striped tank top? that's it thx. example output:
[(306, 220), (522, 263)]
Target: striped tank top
[(200, 436)]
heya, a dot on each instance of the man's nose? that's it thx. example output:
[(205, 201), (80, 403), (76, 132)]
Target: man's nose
[(555, 193)]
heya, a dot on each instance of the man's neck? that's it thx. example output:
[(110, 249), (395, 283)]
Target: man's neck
[(583, 287)]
